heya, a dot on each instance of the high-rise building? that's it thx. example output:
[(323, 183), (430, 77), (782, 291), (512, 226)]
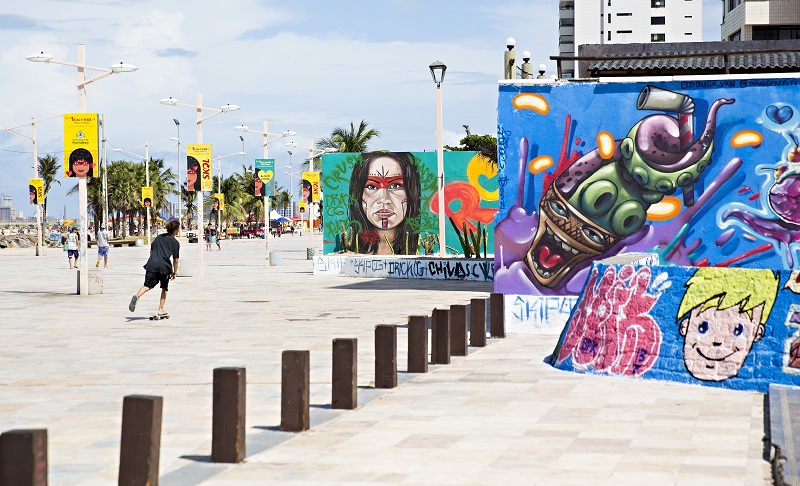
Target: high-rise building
[(624, 22), (760, 20)]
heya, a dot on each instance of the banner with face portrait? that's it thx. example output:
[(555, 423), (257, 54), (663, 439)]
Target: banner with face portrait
[(80, 145), (301, 207), (36, 190), (264, 177), (219, 202), (313, 181), (147, 197), (198, 167)]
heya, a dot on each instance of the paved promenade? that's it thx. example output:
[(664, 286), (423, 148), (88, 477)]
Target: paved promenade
[(499, 416)]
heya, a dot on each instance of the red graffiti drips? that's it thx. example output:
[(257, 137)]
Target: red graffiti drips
[(564, 160), (369, 236), (470, 205), (611, 329)]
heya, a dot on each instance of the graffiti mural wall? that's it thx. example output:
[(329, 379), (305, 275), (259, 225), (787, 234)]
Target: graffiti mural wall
[(703, 172), (731, 327), (385, 203)]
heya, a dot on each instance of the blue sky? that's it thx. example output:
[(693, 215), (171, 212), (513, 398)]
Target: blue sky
[(307, 67)]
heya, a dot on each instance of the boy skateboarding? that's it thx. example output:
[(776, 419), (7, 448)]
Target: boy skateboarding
[(159, 268)]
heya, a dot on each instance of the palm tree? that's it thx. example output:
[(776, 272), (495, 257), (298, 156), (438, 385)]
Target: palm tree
[(282, 199), (48, 169), (350, 140)]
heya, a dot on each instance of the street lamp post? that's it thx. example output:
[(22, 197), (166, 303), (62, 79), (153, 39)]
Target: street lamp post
[(32, 138), (178, 175), (83, 278), (200, 119), (437, 71), (146, 159), (265, 141), (219, 185)]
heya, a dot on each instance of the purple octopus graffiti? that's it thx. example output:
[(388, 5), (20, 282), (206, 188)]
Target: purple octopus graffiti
[(595, 205)]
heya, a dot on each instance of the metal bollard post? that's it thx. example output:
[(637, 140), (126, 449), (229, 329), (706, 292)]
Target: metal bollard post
[(228, 419), (440, 337), (295, 391), (23, 457), (344, 393), (497, 324), (458, 330), (385, 356), (140, 445), (477, 323), (417, 344)]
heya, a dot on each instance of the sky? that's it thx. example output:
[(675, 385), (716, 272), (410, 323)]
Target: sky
[(308, 68)]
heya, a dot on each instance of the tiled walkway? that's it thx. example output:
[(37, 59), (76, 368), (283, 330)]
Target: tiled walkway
[(498, 416)]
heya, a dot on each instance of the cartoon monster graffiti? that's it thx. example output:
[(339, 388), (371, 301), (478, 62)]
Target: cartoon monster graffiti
[(721, 315), (603, 197)]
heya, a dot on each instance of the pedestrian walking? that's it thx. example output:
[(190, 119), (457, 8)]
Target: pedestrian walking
[(102, 247), (73, 247), (159, 268)]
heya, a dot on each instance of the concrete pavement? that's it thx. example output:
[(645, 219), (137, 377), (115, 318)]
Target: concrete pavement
[(499, 416)]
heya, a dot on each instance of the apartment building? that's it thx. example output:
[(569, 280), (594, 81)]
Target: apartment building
[(626, 21), (745, 20)]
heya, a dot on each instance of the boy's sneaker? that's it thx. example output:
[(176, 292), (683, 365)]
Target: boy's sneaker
[(97, 265), (132, 305)]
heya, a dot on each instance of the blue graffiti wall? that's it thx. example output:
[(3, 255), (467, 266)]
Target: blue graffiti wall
[(703, 172), (726, 327)]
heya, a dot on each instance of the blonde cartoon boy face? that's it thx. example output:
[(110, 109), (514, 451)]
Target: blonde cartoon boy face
[(722, 314), (718, 341)]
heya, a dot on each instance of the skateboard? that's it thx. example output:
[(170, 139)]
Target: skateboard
[(158, 317)]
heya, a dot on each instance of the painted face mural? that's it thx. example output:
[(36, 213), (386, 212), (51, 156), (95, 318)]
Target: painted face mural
[(384, 197), (603, 197), (726, 315), (80, 162)]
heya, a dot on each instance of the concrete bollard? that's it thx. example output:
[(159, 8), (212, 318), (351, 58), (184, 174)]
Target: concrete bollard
[(295, 391), (140, 445), (23, 457), (228, 419), (385, 356), (440, 337), (417, 344), (477, 323), (458, 330), (497, 323), (344, 393)]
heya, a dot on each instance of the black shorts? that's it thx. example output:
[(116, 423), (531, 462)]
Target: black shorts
[(152, 278)]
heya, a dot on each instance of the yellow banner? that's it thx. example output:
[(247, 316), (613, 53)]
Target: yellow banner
[(147, 196), (219, 202), (199, 167), (301, 206), (80, 145), (312, 188), (36, 190)]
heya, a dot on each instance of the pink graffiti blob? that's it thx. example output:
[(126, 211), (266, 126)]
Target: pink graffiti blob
[(470, 200), (611, 329)]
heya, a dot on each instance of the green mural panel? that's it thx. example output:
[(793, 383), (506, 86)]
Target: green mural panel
[(386, 202)]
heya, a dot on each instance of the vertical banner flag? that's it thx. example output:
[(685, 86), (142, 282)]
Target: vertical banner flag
[(198, 167), (147, 196), (36, 190), (264, 177), (80, 145), (301, 206), (219, 202), (313, 178)]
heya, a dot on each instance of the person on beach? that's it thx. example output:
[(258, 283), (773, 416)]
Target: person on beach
[(102, 247)]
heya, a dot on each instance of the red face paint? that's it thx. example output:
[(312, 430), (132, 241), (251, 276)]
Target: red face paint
[(378, 182)]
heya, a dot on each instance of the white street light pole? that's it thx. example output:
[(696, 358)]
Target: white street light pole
[(265, 141), (146, 159), (178, 175), (437, 71), (83, 283), (32, 138), (200, 119)]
